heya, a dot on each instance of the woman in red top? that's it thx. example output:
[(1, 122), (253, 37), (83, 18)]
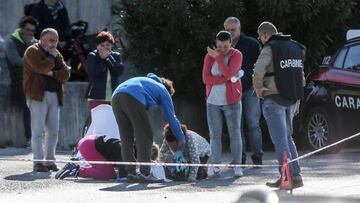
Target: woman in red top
[(223, 99)]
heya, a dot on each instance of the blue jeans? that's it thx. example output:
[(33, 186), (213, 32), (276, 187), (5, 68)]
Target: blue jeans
[(215, 118), (279, 120), (251, 114)]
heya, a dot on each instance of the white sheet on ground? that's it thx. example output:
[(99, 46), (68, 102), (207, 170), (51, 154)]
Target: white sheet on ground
[(103, 122)]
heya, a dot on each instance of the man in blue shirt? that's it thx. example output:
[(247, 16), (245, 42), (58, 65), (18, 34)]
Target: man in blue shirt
[(130, 101), (250, 48)]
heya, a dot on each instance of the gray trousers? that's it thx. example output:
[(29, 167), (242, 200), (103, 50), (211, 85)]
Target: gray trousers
[(133, 123), (44, 118)]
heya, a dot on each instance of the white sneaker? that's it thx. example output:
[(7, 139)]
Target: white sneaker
[(214, 171), (238, 171)]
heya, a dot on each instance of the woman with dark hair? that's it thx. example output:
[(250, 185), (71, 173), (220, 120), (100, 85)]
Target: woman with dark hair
[(223, 99), (96, 148), (101, 148), (195, 150), (104, 67)]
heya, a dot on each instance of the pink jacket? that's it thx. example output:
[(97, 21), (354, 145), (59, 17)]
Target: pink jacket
[(233, 90)]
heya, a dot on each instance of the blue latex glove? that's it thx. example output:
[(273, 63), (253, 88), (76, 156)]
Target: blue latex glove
[(179, 158)]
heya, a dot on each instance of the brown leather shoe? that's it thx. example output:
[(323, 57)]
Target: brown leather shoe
[(39, 167), (53, 167)]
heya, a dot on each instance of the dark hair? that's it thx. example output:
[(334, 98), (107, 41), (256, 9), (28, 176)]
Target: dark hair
[(168, 134), (104, 36), (27, 19), (223, 36), (169, 85)]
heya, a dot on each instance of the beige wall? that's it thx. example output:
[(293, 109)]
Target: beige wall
[(96, 12)]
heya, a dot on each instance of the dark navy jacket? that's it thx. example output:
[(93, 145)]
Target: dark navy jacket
[(42, 13), (97, 69), (250, 48)]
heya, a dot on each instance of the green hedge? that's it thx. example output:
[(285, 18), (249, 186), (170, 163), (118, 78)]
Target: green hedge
[(169, 37)]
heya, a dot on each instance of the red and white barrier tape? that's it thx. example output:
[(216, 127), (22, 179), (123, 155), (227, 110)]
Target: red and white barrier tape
[(326, 147), (138, 163), (181, 164)]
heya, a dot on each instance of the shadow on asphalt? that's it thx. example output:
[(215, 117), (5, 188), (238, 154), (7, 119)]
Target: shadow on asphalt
[(12, 151), (217, 182), (88, 180), (29, 176), (127, 187)]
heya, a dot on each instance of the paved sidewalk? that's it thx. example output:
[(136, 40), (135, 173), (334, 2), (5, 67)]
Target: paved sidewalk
[(336, 175)]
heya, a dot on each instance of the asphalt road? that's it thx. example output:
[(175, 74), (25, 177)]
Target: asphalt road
[(336, 175)]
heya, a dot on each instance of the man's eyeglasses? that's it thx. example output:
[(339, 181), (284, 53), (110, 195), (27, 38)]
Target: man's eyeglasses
[(29, 30)]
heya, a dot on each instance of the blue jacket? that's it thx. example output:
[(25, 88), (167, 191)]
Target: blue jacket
[(250, 48), (151, 92), (97, 69)]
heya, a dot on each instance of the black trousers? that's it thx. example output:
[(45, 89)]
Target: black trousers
[(18, 98), (134, 125), (202, 171)]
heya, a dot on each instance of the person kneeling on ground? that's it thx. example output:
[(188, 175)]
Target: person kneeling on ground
[(99, 148), (195, 150)]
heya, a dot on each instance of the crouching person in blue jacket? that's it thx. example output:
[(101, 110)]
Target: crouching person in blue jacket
[(130, 102)]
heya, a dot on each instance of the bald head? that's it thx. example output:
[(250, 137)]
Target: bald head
[(48, 31), (49, 38), (233, 25), (233, 20)]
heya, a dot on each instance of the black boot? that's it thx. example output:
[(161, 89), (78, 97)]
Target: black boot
[(257, 160), (297, 182), (275, 184)]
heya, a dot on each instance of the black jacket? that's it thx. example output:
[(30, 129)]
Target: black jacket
[(250, 49), (42, 13), (288, 59), (97, 69), (110, 149)]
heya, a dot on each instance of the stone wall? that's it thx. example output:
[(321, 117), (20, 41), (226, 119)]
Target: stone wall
[(74, 113), (72, 117)]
